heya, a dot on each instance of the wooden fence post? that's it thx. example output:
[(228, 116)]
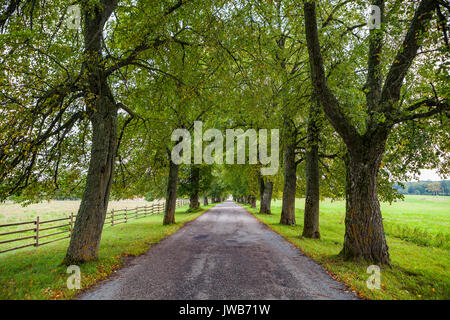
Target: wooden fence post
[(36, 244), (126, 215), (112, 217)]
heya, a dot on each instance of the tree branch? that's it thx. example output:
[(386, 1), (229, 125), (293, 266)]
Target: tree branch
[(374, 81), (406, 54), (326, 97), (439, 108)]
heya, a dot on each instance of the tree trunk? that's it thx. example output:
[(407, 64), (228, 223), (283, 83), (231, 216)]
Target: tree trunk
[(205, 200), (267, 197), (364, 232), (311, 216), (252, 201), (86, 235), (194, 203), (290, 179), (171, 198), (262, 208)]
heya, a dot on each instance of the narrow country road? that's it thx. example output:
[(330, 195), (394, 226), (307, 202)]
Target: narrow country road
[(224, 254)]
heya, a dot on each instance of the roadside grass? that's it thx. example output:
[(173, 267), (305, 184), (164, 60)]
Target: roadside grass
[(36, 273), (423, 220), (420, 262)]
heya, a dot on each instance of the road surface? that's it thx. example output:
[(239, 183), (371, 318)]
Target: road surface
[(224, 254)]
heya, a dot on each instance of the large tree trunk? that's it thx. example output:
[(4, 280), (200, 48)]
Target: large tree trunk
[(86, 235), (171, 198), (311, 216), (265, 190), (194, 203), (205, 200), (290, 179), (364, 233)]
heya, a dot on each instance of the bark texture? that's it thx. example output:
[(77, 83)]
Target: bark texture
[(267, 198), (364, 232), (290, 182), (171, 198), (311, 216), (194, 202)]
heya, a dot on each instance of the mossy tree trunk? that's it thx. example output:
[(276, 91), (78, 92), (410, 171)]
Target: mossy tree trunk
[(311, 215), (85, 241)]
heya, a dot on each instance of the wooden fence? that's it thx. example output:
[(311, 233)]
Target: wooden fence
[(45, 230)]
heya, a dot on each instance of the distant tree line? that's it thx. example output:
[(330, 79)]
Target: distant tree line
[(441, 188)]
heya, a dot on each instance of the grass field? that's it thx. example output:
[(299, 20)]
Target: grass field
[(14, 212), (418, 235), (36, 273)]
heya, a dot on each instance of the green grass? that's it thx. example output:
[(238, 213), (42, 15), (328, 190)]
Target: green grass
[(36, 273), (417, 232)]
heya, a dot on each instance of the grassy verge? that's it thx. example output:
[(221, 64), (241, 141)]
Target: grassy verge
[(36, 273), (418, 271)]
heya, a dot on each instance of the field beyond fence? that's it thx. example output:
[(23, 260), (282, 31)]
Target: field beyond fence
[(39, 232)]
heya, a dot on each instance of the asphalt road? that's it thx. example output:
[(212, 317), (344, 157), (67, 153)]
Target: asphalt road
[(224, 254)]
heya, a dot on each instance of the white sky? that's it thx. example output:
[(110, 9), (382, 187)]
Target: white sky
[(427, 174)]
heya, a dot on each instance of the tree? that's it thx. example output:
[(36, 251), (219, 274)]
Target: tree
[(364, 235), (311, 213), (434, 188), (265, 190), (78, 80)]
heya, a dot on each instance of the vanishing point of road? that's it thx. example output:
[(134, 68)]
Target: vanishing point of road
[(226, 253)]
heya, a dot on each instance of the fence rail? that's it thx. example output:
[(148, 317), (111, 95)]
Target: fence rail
[(65, 225)]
